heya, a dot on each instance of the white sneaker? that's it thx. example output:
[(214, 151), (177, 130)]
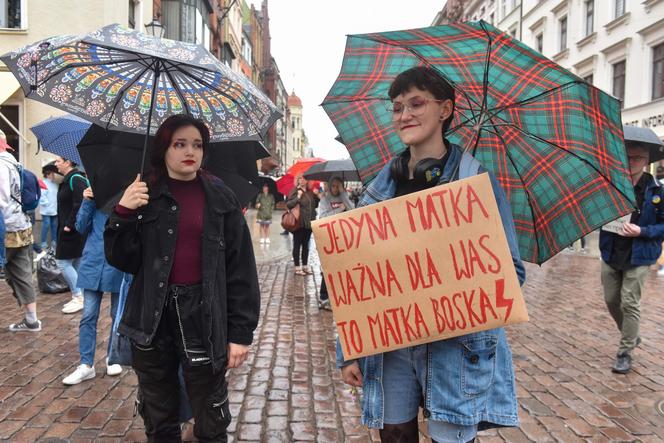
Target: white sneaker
[(267, 240), (660, 271), (261, 241), (75, 305), (82, 373), (113, 369)]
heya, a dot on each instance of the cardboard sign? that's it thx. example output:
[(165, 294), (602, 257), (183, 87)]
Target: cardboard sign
[(419, 268), (616, 225)]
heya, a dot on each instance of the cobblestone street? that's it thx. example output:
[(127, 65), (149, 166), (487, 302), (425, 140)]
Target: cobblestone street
[(289, 389)]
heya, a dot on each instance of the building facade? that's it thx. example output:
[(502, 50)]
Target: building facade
[(281, 127), (616, 45), (297, 141), (29, 21), (232, 30)]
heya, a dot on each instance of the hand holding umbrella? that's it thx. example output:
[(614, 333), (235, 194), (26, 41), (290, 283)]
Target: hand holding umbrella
[(136, 194)]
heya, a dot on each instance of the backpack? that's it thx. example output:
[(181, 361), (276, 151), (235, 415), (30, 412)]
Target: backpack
[(80, 175), (30, 190)]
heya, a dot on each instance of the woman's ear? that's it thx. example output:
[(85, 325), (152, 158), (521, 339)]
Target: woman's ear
[(447, 107)]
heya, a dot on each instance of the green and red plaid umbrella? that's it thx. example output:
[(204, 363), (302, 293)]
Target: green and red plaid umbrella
[(554, 142)]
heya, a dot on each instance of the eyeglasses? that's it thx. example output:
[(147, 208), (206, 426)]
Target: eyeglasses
[(415, 107), (637, 158)]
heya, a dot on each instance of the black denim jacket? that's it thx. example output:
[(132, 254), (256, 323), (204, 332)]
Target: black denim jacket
[(144, 245)]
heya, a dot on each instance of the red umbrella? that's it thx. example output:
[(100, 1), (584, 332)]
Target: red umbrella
[(285, 184), (302, 165)]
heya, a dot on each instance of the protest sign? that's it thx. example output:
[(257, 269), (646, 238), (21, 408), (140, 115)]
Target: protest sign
[(419, 268), (616, 225)]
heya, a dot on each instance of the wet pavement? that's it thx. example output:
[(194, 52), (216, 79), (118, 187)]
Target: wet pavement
[(289, 389)]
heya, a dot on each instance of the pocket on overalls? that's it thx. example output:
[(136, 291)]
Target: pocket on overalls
[(478, 363)]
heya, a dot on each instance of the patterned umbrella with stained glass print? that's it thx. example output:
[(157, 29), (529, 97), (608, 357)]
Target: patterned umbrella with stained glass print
[(554, 142), (120, 78)]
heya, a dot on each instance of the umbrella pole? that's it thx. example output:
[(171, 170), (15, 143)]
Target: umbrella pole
[(147, 133)]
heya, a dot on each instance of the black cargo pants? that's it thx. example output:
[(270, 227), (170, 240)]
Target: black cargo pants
[(178, 341)]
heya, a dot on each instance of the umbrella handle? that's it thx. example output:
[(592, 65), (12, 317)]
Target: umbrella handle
[(147, 133)]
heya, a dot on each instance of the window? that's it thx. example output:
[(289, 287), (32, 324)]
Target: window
[(563, 33), (539, 42), (590, 12), (619, 81), (227, 55), (246, 50), (588, 79), (187, 21), (132, 15), (10, 14), (619, 8), (658, 71)]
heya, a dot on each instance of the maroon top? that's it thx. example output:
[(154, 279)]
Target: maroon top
[(190, 196)]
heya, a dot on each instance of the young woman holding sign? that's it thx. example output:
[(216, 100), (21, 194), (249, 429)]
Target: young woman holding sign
[(465, 383)]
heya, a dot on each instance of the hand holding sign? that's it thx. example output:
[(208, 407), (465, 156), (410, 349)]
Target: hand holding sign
[(419, 268), (630, 230)]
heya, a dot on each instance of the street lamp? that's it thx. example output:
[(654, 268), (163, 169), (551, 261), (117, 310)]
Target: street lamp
[(155, 28)]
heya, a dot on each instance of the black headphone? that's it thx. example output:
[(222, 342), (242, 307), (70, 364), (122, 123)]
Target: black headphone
[(427, 171)]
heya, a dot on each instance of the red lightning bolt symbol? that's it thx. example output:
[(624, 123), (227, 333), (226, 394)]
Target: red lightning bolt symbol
[(501, 301)]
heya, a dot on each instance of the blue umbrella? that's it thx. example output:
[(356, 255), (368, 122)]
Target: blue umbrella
[(60, 135)]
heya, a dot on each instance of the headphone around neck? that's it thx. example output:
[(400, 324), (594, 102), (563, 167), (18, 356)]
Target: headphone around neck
[(427, 172)]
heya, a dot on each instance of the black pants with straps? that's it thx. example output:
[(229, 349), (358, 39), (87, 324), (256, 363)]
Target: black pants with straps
[(178, 342)]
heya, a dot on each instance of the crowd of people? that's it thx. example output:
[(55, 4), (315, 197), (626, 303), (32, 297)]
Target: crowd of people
[(179, 241)]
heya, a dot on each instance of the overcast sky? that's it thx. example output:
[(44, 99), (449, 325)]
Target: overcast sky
[(308, 40)]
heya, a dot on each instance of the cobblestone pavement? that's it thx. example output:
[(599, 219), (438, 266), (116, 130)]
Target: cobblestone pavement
[(290, 391)]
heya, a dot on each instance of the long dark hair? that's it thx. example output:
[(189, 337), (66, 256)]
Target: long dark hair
[(426, 79), (164, 137)]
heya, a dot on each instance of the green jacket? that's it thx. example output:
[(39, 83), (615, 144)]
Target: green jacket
[(267, 205)]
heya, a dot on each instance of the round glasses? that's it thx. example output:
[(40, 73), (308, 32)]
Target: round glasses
[(416, 106)]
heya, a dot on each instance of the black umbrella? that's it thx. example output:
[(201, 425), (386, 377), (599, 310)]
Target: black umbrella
[(272, 186), (345, 169), (647, 138), (111, 159)]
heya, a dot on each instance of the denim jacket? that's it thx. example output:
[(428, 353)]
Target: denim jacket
[(94, 272), (470, 379), (647, 247)]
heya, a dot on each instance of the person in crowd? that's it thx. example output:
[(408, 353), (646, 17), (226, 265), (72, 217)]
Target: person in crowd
[(264, 205), (355, 195), (194, 299), (308, 201), (69, 242), (659, 175), (4, 146), (48, 207), (95, 276), (2, 248), (627, 255), (334, 201), (17, 242), (396, 383)]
